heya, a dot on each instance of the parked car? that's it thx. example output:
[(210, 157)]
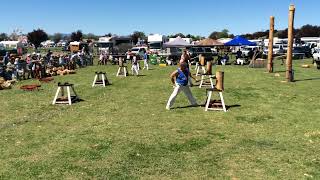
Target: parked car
[(304, 49), (277, 49), (245, 50), (2, 50), (139, 51), (206, 51), (298, 53)]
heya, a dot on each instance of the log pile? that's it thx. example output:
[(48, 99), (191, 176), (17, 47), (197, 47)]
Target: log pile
[(59, 71), (5, 84)]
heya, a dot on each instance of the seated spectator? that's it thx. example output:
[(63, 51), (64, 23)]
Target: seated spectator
[(225, 59), (239, 54)]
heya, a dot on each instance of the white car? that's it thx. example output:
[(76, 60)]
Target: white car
[(277, 49), (139, 50), (245, 50)]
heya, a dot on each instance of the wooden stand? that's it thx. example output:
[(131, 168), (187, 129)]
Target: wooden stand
[(122, 71), (62, 99), (207, 76), (216, 105), (198, 70), (100, 79), (201, 65)]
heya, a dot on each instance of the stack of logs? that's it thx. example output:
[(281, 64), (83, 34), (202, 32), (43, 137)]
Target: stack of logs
[(5, 84), (60, 71)]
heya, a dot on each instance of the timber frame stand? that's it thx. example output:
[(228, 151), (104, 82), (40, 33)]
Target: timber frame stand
[(207, 80), (62, 99), (216, 105), (201, 65), (100, 79), (123, 71), (207, 77)]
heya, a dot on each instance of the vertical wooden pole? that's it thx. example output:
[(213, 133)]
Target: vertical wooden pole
[(289, 71), (270, 51)]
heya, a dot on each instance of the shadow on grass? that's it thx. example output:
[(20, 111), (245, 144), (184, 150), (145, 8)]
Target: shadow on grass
[(279, 71), (309, 79), (203, 105), (189, 106), (233, 106)]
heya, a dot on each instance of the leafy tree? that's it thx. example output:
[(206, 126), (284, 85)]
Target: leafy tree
[(37, 36), (90, 36), (76, 36), (309, 31), (217, 35), (137, 35), (3, 37), (283, 34), (66, 37), (109, 35), (179, 34), (57, 37)]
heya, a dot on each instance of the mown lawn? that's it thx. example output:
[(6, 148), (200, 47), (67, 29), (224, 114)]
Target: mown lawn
[(124, 132)]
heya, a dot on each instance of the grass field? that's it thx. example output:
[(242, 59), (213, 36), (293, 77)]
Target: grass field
[(272, 130)]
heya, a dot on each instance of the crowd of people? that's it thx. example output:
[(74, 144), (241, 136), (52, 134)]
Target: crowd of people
[(38, 66)]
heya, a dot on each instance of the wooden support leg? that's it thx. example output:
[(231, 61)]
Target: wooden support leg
[(56, 96), (95, 80), (201, 83), (103, 81), (69, 95), (211, 82), (118, 73), (197, 72), (74, 92), (222, 102), (203, 69), (208, 100)]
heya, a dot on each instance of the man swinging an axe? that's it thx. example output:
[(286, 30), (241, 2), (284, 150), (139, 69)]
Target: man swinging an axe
[(179, 79)]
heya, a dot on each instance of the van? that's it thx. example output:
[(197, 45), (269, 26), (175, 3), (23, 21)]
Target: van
[(77, 46)]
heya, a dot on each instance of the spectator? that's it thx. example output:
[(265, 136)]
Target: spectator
[(145, 58), (6, 59), (239, 54)]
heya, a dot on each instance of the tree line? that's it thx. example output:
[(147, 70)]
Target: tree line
[(305, 31), (38, 35)]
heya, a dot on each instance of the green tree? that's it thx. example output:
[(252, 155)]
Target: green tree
[(3, 37), (57, 37), (36, 37), (90, 36), (217, 35), (76, 36), (138, 35)]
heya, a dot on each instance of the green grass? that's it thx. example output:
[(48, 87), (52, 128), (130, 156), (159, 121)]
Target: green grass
[(124, 132)]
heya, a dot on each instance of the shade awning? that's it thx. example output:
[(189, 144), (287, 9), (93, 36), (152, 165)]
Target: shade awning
[(240, 41), (209, 42), (177, 42)]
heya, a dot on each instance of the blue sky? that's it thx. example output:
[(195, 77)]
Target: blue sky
[(122, 17)]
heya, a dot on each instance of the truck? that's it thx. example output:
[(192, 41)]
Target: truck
[(104, 44), (155, 42), (115, 44)]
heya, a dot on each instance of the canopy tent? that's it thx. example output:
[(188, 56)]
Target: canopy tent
[(209, 42), (177, 42), (240, 41)]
